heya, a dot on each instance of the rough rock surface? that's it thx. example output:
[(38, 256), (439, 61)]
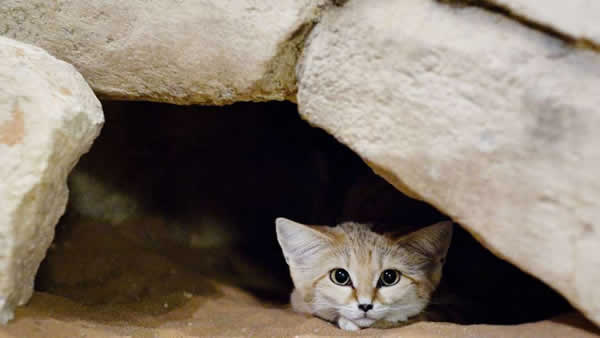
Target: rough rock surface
[(575, 18), (49, 116), (184, 52), (496, 128)]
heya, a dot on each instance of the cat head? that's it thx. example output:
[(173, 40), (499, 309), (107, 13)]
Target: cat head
[(352, 272)]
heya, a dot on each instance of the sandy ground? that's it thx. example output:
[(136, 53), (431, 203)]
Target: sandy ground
[(104, 281), (107, 283), (235, 313)]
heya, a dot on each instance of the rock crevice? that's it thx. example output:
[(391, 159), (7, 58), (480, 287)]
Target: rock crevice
[(573, 30)]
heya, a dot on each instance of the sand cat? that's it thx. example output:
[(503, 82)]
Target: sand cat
[(357, 278)]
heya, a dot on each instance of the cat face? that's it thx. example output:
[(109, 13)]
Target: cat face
[(349, 272)]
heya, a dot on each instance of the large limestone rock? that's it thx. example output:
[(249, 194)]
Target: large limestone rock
[(49, 117), (183, 51), (492, 122), (576, 18)]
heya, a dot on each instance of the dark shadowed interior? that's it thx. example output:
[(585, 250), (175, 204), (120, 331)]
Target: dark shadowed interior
[(171, 199)]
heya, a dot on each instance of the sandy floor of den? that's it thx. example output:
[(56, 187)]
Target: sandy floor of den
[(235, 313)]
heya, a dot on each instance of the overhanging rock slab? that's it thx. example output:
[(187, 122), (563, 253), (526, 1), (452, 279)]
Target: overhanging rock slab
[(494, 123)]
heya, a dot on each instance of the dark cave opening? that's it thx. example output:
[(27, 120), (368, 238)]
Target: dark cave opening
[(171, 197)]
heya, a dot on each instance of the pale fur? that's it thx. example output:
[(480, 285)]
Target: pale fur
[(313, 251)]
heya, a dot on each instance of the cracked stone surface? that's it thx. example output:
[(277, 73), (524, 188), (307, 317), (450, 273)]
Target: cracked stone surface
[(496, 128), (184, 51), (576, 18), (49, 117)]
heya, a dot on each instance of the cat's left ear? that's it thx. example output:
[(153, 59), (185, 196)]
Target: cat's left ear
[(432, 241), (301, 244)]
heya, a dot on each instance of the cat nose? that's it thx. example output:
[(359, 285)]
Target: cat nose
[(365, 307)]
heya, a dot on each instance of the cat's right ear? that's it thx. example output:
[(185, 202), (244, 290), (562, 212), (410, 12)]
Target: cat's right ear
[(299, 242), (432, 241)]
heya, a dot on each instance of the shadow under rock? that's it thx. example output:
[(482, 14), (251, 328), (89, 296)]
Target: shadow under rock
[(175, 198)]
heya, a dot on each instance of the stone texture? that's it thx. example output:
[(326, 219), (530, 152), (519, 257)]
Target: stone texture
[(490, 121), (576, 18), (49, 117), (184, 51)]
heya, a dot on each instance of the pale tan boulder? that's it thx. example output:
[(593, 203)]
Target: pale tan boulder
[(49, 117), (492, 122), (578, 19), (178, 51)]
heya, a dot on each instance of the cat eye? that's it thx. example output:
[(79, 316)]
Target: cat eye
[(340, 277), (389, 277)]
